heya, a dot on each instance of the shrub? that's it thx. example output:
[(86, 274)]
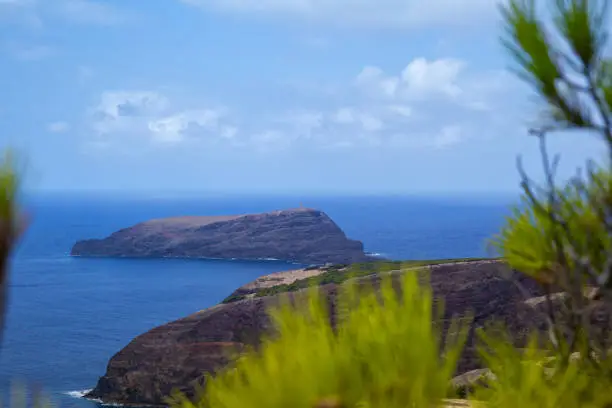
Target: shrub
[(530, 378), (377, 356), (385, 351), (12, 224), (562, 235)]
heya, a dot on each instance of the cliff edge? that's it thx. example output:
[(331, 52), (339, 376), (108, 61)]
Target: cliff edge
[(298, 235), (177, 355)]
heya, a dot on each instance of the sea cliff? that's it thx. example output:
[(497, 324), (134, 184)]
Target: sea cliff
[(177, 355)]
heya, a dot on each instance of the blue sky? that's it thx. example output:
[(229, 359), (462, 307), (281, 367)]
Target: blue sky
[(330, 96)]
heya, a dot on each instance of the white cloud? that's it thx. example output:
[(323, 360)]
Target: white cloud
[(430, 104), (58, 127), (423, 78), (449, 136), (175, 128), (119, 111), (418, 80), (434, 136), (367, 121), (374, 79), (368, 13), (151, 115)]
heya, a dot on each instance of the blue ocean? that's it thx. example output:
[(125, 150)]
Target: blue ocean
[(68, 316)]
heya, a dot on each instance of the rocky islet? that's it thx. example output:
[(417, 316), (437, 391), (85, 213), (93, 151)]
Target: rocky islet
[(300, 235)]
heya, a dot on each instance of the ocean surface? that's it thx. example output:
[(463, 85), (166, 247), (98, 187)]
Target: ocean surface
[(68, 316)]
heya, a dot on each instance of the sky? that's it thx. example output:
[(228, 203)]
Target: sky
[(266, 96)]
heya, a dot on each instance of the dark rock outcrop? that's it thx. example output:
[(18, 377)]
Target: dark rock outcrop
[(299, 235), (177, 355)]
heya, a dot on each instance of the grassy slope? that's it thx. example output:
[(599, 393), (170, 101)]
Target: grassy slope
[(337, 274)]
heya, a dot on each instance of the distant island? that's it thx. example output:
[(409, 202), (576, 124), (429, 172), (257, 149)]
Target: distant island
[(301, 235)]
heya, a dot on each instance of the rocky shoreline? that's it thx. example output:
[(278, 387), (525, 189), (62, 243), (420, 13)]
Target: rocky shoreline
[(178, 354)]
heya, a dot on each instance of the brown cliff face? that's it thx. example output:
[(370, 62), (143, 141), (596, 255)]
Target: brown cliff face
[(300, 235), (177, 355)]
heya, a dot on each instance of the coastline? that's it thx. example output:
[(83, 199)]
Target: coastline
[(293, 276), (190, 258), (83, 395), (104, 285)]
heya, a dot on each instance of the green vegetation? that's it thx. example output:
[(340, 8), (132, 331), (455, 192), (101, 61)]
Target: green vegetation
[(530, 378), (562, 235), (532, 239), (388, 348), (12, 224), (385, 350), (368, 361), (340, 273)]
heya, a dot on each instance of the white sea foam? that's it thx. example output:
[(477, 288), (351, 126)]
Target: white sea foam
[(77, 394), (82, 393)]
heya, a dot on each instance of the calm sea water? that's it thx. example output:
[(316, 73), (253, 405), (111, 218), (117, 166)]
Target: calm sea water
[(68, 316)]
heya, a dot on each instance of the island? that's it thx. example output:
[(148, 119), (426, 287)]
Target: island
[(302, 235), (179, 354)]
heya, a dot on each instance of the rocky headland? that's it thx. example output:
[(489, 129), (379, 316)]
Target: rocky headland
[(280, 280), (178, 354), (300, 235)]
